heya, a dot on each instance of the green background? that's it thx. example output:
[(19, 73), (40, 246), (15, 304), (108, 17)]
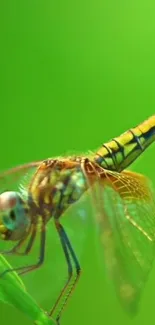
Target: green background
[(74, 75)]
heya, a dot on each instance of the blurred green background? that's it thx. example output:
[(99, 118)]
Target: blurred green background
[(73, 75)]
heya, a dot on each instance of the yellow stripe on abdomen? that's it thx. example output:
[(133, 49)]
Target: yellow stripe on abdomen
[(121, 151)]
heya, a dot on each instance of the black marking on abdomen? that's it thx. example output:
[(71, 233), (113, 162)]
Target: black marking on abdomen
[(136, 139), (121, 148), (100, 159), (149, 134), (110, 155)]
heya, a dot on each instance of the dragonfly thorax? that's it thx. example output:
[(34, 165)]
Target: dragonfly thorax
[(14, 219), (68, 190), (52, 193)]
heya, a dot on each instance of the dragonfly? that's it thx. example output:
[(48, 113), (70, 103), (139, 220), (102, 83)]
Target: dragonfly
[(124, 208)]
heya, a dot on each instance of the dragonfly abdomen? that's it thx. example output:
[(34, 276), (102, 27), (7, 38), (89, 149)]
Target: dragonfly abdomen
[(121, 151)]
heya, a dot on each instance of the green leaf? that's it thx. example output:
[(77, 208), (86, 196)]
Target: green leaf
[(13, 292)]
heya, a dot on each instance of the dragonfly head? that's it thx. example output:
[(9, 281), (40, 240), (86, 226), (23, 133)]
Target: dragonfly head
[(14, 219)]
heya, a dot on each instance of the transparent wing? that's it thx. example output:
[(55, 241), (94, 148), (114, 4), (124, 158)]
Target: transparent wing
[(125, 210), (14, 177)]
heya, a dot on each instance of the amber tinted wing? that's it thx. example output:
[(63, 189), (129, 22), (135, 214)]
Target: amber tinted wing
[(126, 218), (11, 179)]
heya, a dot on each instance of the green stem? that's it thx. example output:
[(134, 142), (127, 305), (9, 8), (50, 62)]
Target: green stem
[(13, 292)]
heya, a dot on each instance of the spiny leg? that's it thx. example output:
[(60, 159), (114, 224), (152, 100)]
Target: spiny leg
[(26, 269), (68, 250), (30, 243), (75, 280), (32, 267), (14, 250), (70, 269)]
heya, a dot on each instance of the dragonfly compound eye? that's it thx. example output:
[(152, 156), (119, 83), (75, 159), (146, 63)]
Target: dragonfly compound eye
[(14, 218), (8, 200), (12, 215)]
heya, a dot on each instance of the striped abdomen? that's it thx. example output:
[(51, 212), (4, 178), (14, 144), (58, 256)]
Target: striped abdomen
[(120, 152)]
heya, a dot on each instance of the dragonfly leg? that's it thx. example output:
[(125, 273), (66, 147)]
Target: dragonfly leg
[(26, 269), (70, 269), (69, 253), (30, 243), (14, 250)]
